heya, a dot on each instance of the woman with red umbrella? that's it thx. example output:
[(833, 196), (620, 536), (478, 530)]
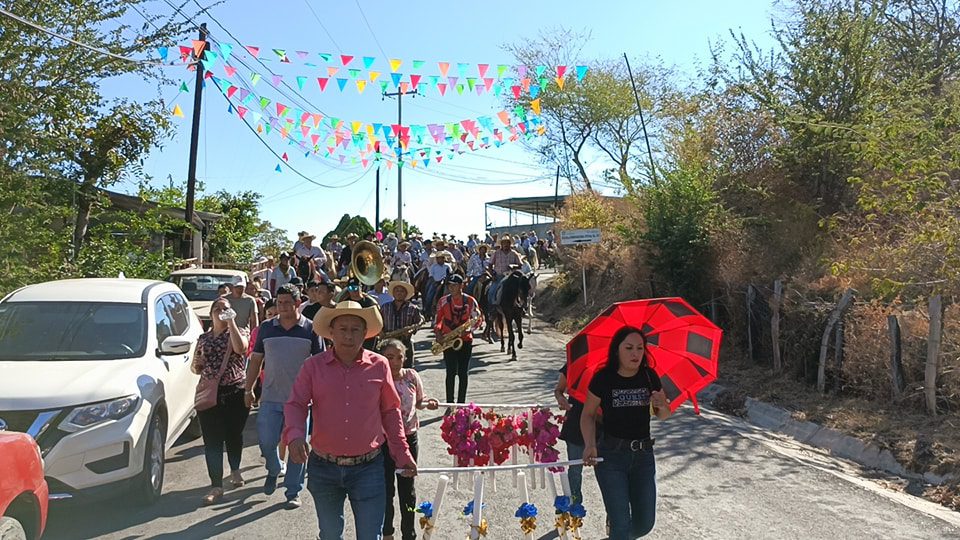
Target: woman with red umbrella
[(628, 391)]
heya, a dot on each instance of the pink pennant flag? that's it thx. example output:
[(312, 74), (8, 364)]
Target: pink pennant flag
[(317, 117), (229, 70), (561, 71), (241, 110), (284, 157), (331, 71), (516, 91), (345, 59), (314, 138), (322, 81), (525, 84), (281, 108), (444, 68), (254, 51), (442, 87), (404, 87), (488, 82), (305, 130), (482, 69), (504, 117)]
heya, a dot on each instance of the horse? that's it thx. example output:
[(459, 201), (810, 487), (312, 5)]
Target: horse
[(510, 307), (480, 292)]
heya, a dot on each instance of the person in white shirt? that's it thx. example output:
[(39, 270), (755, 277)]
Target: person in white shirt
[(437, 273), (476, 266), (380, 293), (312, 258), (281, 275), (402, 256)]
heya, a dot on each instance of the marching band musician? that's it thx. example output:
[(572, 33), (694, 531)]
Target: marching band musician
[(453, 311), (399, 314)]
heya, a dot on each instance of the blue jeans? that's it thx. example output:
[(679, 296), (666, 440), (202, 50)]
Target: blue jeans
[(629, 487), (330, 484), (575, 472), (269, 430)]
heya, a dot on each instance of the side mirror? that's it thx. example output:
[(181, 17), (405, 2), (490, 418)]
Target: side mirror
[(175, 345)]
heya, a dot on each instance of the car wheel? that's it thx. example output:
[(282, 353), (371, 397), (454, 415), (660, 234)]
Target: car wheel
[(149, 485), (10, 529)]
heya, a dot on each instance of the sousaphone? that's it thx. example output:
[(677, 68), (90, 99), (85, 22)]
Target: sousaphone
[(366, 264)]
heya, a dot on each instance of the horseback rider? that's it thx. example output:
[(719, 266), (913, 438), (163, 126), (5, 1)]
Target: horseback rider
[(312, 259), (475, 267), (501, 262), (438, 272), (400, 313)]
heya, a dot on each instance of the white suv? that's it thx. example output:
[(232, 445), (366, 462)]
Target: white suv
[(98, 372)]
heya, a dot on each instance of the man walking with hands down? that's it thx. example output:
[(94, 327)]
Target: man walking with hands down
[(282, 346), (354, 399)]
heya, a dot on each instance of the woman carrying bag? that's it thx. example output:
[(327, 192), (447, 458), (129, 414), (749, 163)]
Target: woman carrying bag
[(219, 360)]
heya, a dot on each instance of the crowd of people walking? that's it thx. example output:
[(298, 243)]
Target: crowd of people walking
[(298, 344)]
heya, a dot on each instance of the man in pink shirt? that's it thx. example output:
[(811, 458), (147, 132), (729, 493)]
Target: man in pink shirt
[(355, 410)]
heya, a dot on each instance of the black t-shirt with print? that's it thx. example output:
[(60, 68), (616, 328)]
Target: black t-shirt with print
[(625, 402)]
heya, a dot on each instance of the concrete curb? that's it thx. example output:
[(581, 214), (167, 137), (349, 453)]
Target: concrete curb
[(780, 420)]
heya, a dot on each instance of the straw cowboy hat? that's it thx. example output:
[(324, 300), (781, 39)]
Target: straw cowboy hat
[(326, 315), (304, 235), (406, 286)]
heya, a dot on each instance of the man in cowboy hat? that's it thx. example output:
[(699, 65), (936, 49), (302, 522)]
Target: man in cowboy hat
[(401, 313), (438, 272), (311, 258), (501, 262), (356, 406), (334, 246), (402, 256)]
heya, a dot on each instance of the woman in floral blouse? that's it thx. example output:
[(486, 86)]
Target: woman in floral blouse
[(222, 424), (410, 389)]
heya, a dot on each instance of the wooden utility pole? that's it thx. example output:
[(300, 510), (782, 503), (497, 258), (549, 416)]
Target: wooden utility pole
[(399, 95), (934, 340), (825, 339), (897, 378), (195, 135), (775, 325)]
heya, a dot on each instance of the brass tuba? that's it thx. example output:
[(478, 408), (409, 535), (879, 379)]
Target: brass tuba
[(366, 264)]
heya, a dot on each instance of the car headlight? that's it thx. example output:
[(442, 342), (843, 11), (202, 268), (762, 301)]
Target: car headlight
[(89, 415)]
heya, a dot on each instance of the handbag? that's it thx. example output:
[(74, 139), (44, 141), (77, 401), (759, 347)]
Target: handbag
[(206, 396)]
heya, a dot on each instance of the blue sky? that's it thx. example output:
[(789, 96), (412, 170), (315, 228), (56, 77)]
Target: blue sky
[(232, 158)]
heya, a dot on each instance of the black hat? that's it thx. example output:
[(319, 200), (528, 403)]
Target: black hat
[(455, 278), (295, 281)]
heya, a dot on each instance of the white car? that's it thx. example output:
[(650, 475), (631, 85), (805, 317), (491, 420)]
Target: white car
[(98, 372), (200, 286)]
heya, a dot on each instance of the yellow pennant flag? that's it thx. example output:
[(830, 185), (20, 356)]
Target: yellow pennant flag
[(177, 111), (559, 82), (535, 105), (361, 84), (395, 64), (374, 75), (356, 126)]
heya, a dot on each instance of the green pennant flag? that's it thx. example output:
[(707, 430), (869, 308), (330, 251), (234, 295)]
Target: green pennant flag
[(501, 69), (471, 82), (460, 89), (280, 53), (383, 87), (266, 127), (325, 56), (354, 72), (417, 64), (301, 81), (255, 78), (264, 102), (520, 112), (183, 87), (543, 83)]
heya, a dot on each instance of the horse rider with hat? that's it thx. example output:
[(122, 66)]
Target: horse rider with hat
[(501, 262)]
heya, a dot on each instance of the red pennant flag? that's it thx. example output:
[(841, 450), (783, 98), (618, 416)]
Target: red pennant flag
[(314, 138), (284, 156), (442, 87), (561, 71), (280, 108), (241, 111), (185, 52), (198, 46), (415, 80), (482, 69), (323, 83), (439, 158), (231, 91), (254, 51), (207, 74), (396, 129), (470, 144), (364, 163), (444, 67), (229, 70), (488, 82), (516, 91), (345, 59)]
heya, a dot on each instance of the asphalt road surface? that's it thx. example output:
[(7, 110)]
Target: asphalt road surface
[(717, 478)]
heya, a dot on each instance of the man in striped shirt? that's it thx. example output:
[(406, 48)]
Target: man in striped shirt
[(401, 313)]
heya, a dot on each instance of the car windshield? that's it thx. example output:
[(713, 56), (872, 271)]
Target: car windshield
[(200, 287), (72, 330)]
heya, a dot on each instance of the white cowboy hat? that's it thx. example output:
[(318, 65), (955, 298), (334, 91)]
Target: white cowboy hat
[(304, 235), (326, 315), (406, 286)]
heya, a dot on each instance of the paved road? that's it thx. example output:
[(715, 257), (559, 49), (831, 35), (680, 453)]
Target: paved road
[(718, 478)]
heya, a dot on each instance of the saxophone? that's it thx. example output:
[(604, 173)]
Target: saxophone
[(402, 331), (453, 339)]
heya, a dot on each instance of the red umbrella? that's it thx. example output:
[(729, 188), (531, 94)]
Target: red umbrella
[(682, 346)]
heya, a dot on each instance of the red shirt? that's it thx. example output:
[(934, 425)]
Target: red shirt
[(353, 407), (454, 311)]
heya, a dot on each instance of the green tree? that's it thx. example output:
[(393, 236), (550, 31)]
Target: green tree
[(270, 241), (357, 225), (390, 226)]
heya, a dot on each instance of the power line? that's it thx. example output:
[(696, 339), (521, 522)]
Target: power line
[(84, 45), (372, 33), (320, 22)]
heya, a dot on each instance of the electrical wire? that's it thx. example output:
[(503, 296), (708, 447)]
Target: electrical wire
[(320, 22), (84, 45), (372, 33)]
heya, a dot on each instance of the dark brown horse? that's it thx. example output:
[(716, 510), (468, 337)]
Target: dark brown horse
[(509, 310)]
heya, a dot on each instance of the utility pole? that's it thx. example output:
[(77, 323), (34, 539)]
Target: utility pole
[(556, 196), (376, 218), (643, 124), (399, 95), (195, 135)]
